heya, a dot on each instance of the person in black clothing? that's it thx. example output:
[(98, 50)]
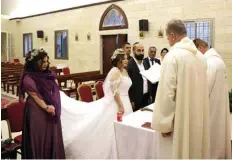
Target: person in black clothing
[(163, 52), (138, 92), (127, 50), (148, 62)]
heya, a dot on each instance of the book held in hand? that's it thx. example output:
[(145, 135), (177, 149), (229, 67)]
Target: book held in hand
[(152, 74)]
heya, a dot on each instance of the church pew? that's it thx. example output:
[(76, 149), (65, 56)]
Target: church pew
[(8, 78), (58, 71), (12, 82), (79, 80), (65, 78)]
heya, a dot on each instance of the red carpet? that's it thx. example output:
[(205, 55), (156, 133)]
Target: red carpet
[(4, 102)]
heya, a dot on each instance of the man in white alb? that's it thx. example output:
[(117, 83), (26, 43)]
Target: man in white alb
[(181, 110), (220, 138)]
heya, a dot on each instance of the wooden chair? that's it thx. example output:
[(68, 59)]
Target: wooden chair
[(99, 89), (9, 149), (15, 113), (66, 70), (85, 93), (53, 68), (16, 60)]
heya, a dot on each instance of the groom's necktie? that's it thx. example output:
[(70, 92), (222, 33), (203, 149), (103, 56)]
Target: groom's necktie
[(152, 61)]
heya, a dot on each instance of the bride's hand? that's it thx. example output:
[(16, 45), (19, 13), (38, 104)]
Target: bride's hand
[(121, 109)]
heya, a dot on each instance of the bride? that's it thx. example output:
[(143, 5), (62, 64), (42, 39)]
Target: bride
[(88, 130)]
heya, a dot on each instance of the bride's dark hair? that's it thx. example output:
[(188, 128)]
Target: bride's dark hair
[(117, 59), (32, 61)]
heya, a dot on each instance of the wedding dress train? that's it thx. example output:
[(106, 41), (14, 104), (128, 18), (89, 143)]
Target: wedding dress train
[(88, 130)]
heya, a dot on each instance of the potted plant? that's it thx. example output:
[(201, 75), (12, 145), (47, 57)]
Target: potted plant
[(160, 33), (230, 100)]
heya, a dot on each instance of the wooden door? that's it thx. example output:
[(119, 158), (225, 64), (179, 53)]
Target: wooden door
[(121, 40), (110, 44)]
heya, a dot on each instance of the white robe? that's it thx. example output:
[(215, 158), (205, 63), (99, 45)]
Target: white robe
[(219, 106), (181, 104)]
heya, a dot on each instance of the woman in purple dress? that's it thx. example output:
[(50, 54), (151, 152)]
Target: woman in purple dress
[(42, 133)]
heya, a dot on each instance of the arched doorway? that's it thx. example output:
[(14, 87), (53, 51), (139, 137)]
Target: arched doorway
[(113, 18)]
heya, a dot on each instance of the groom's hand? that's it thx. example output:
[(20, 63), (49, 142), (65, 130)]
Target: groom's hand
[(133, 105), (150, 100)]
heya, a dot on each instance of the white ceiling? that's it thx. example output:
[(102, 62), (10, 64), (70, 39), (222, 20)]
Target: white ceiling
[(7, 6), (21, 8)]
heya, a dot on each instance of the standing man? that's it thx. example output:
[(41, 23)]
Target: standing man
[(138, 92), (148, 62), (181, 110), (127, 50), (220, 137)]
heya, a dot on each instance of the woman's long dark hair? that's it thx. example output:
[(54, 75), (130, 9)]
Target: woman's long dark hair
[(164, 49), (32, 61)]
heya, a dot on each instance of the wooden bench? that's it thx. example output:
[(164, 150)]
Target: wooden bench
[(65, 78)]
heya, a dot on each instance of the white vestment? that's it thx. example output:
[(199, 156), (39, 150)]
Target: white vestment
[(182, 102), (219, 106)]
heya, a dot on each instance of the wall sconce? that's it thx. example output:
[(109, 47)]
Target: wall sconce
[(141, 35), (88, 36), (76, 37), (46, 39)]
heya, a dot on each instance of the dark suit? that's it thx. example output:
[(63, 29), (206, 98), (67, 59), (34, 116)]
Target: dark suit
[(129, 57), (136, 90), (152, 88)]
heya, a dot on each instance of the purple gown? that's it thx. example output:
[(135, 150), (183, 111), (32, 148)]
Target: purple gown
[(42, 132)]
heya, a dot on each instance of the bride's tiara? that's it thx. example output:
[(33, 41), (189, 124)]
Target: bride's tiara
[(116, 52)]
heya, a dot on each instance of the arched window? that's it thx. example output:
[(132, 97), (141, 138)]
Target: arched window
[(113, 18)]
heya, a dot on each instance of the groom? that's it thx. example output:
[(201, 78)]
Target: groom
[(138, 92)]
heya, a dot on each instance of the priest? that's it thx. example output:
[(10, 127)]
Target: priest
[(220, 145), (181, 110)]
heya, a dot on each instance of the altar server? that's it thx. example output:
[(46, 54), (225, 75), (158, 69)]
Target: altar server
[(219, 102)]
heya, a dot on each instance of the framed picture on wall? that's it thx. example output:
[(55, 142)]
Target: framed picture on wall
[(61, 44)]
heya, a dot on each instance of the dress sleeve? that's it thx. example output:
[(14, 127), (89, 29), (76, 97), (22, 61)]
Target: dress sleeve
[(114, 81), (29, 85)]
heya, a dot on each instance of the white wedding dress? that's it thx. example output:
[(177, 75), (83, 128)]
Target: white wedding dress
[(88, 130)]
